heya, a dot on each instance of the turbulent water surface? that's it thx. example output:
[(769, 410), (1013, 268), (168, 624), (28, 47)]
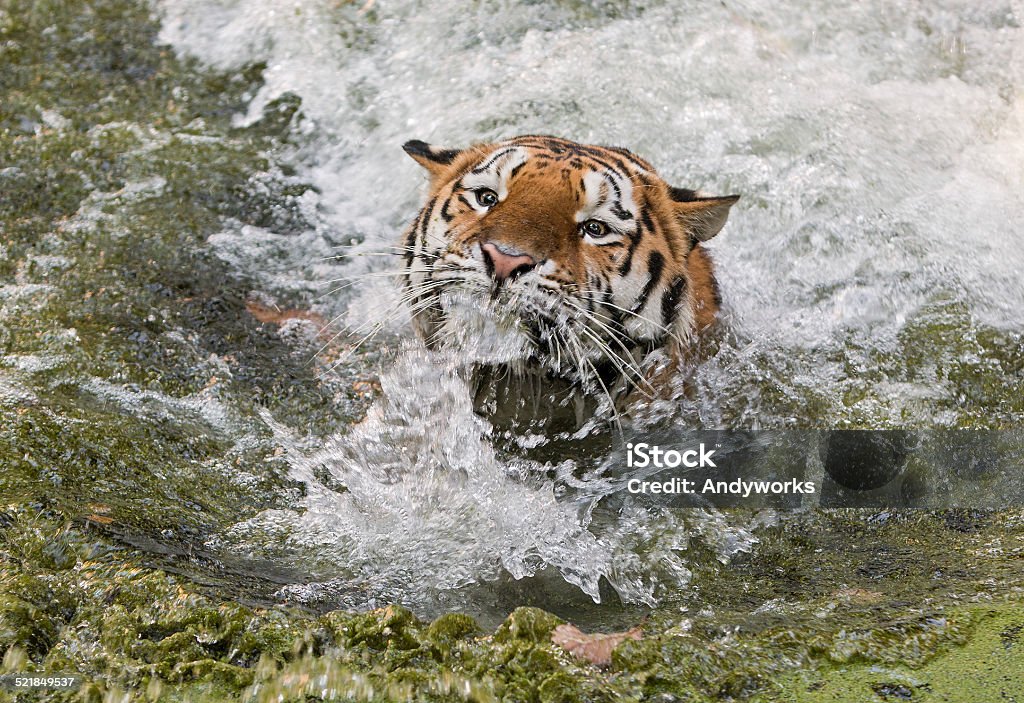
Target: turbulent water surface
[(878, 150), (871, 271), (879, 153)]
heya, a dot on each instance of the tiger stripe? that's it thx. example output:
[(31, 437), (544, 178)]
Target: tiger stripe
[(602, 248)]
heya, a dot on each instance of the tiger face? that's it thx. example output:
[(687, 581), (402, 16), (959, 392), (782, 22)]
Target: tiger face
[(541, 251)]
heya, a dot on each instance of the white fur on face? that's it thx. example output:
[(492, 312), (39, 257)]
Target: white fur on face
[(608, 197), (494, 173)]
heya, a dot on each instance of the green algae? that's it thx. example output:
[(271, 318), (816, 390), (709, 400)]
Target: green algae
[(97, 610), (988, 666), (979, 369), (452, 627), (122, 162), (528, 625)]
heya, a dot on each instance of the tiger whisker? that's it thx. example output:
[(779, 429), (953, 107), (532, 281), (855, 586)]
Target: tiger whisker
[(354, 254), (364, 244), (597, 377), (353, 280), (369, 274), (620, 364), (659, 326), (392, 312), (590, 316)]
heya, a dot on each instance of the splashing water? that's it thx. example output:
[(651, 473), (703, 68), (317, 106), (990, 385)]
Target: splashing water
[(871, 272), (417, 495)]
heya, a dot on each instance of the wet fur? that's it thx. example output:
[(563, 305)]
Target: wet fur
[(644, 291)]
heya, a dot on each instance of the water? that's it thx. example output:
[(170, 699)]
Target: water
[(870, 272), (870, 275)]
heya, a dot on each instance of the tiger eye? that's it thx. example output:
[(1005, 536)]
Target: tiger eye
[(487, 198), (594, 228)]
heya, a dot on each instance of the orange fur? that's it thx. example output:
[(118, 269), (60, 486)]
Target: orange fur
[(705, 287), (644, 270)]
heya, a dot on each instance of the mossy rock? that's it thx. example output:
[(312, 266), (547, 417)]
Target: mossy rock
[(234, 677), (560, 687), (393, 627), (520, 690), (451, 627), (24, 625), (528, 624), (268, 634)]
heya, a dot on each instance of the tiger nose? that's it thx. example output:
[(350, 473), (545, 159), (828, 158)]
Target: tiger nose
[(505, 262)]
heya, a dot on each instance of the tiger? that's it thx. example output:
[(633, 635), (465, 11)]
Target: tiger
[(574, 261)]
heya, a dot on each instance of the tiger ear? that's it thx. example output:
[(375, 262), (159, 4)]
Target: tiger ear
[(702, 216), (435, 160)]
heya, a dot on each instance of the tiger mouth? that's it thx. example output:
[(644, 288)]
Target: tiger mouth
[(538, 326), (509, 303)]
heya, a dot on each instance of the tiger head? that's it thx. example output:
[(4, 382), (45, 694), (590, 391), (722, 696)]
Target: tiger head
[(576, 258)]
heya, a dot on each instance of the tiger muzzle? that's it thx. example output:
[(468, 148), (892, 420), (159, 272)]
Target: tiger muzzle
[(504, 262)]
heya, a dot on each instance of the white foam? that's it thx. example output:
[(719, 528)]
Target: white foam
[(414, 501)]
